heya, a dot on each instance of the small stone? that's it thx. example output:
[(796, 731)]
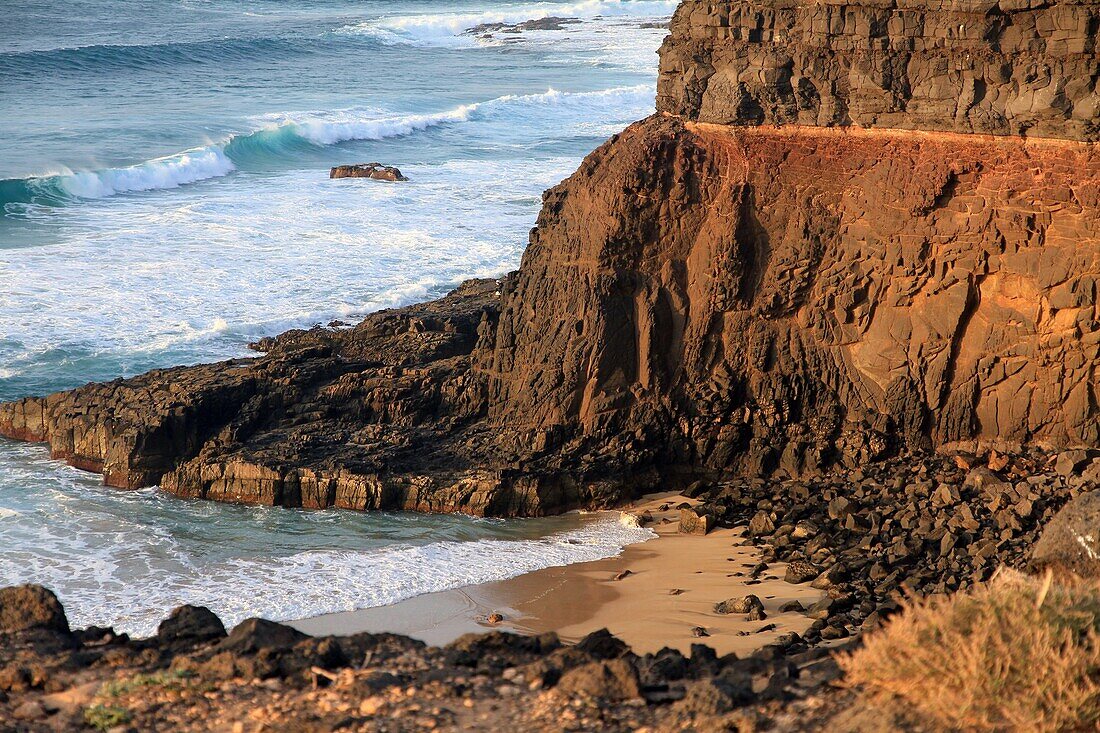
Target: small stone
[(790, 606), (997, 461), (494, 618), (622, 574), (699, 631)]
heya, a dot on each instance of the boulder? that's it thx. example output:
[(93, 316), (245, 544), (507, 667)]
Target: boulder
[(375, 171), (750, 605), (602, 645), (1071, 539), (611, 680), (800, 571), (190, 625), (1072, 462), (254, 634), (27, 607), (693, 522)]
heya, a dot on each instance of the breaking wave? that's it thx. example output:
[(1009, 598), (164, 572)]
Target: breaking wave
[(447, 29), (280, 137)]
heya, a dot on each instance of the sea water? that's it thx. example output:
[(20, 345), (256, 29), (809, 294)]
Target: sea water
[(164, 199)]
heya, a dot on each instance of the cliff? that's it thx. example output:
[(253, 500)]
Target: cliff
[(699, 300), (1012, 67)]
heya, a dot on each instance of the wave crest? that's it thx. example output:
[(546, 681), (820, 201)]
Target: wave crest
[(281, 136)]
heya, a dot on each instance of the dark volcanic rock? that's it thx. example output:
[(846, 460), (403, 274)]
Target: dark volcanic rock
[(982, 66), (616, 679), (549, 23), (190, 625), (26, 607), (254, 634), (375, 171), (1072, 539)]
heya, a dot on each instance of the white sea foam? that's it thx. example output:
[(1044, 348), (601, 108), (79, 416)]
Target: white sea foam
[(108, 569), (328, 132), (169, 172), (318, 128), (447, 28)]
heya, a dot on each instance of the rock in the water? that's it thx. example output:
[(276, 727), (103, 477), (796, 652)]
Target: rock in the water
[(25, 607), (190, 625), (692, 522), (1071, 539), (375, 171)]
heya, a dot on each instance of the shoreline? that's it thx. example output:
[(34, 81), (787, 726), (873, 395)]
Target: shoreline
[(640, 609)]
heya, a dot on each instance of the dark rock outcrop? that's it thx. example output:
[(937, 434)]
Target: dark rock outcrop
[(28, 607), (549, 23), (375, 171), (983, 66), (190, 625)]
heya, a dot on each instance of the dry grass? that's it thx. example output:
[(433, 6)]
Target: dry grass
[(1016, 654)]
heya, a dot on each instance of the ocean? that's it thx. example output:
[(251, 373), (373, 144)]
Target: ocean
[(164, 199)]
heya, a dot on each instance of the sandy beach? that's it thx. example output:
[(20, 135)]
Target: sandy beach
[(674, 581)]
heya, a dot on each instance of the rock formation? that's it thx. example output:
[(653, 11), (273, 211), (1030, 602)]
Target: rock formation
[(375, 171), (1000, 67), (701, 300)]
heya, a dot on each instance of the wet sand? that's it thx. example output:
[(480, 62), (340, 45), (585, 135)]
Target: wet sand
[(641, 608)]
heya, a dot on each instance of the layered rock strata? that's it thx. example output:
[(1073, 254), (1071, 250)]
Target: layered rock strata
[(697, 301), (1001, 67)]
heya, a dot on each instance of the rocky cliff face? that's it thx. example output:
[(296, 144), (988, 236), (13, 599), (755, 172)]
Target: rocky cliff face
[(1006, 68), (697, 301)]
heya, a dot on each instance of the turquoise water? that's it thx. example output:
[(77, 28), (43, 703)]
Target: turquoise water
[(165, 200)]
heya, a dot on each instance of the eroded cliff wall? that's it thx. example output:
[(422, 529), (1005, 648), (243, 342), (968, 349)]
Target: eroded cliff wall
[(701, 300), (1013, 67), (790, 297)]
